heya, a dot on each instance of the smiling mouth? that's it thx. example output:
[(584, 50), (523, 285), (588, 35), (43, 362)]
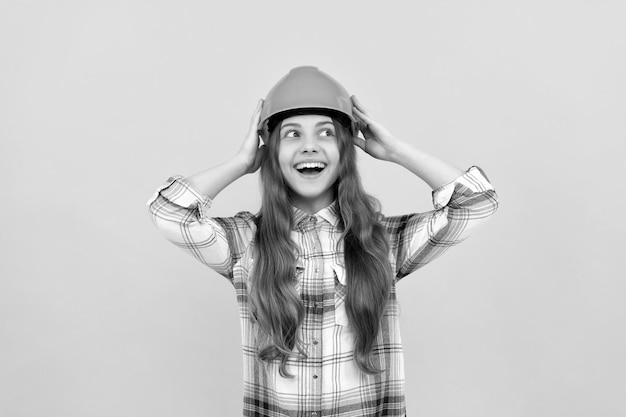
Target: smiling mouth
[(310, 168)]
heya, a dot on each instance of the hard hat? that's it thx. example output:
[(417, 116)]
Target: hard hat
[(306, 90)]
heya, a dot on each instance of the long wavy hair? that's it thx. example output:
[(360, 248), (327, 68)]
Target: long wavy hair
[(275, 303)]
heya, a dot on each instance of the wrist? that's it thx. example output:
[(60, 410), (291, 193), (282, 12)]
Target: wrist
[(398, 151), (240, 164)]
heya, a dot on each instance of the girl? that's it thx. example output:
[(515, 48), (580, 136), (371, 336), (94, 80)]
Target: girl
[(315, 270)]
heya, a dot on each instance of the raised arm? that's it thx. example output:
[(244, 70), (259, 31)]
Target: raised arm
[(381, 144), (463, 200), (178, 209), (247, 160)]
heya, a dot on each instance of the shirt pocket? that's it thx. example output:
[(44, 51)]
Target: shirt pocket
[(341, 290)]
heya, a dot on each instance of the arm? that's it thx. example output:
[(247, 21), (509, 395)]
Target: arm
[(178, 209), (213, 180), (461, 207), (463, 200), (381, 144)]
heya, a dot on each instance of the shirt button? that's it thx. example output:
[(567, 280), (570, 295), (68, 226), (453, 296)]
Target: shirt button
[(315, 342), (312, 219), (317, 270), (314, 414), (314, 376)]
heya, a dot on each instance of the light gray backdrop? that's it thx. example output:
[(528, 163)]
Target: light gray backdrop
[(100, 102)]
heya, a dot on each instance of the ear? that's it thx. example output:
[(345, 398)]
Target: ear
[(262, 136)]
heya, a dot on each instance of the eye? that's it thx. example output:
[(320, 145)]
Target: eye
[(291, 134), (327, 132)]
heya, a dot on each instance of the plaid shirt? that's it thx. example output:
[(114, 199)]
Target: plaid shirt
[(327, 381)]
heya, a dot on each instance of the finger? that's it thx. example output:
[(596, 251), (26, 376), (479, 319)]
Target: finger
[(357, 115), (256, 115), (257, 111), (254, 120), (258, 158), (366, 119), (361, 125), (360, 106)]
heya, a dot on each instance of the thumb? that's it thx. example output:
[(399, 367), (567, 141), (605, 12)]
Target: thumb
[(261, 153), (358, 142)]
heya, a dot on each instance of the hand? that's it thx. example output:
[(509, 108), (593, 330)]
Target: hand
[(379, 142), (250, 152)]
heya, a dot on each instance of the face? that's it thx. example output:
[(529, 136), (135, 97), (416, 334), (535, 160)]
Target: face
[(309, 160)]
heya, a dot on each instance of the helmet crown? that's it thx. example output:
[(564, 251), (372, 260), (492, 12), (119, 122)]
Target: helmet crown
[(306, 89)]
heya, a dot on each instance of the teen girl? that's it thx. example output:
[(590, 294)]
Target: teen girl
[(315, 270)]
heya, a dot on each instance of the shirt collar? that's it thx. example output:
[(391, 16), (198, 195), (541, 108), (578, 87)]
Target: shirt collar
[(328, 214)]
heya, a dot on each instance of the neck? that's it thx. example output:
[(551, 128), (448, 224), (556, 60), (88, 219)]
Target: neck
[(313, 205)]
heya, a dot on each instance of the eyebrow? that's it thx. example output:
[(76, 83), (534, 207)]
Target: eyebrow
[(292, 124)]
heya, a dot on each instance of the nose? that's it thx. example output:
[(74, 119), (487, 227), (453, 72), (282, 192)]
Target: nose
[(310, 144)]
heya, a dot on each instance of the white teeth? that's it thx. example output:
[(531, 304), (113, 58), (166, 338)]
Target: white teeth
[(303, 165)]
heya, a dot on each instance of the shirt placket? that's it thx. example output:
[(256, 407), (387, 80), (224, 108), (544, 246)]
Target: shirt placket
[(316, 311)]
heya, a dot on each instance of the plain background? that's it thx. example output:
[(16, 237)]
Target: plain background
[(100, 102)]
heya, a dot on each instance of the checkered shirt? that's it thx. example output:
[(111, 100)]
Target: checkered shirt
[(327, 381)]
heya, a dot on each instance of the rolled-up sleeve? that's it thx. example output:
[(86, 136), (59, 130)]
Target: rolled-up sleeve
[(179, 212), (461, 207)]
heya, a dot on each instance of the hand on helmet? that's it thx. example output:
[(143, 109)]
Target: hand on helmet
[(250, 152), (379, 142)]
